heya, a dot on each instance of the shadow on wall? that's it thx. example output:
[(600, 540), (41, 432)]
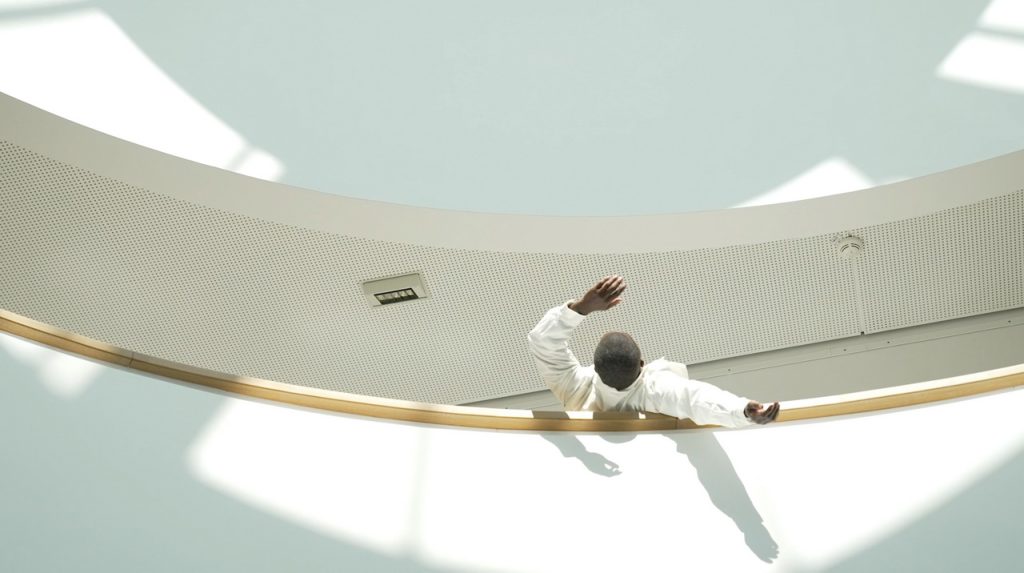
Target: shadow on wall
[(714, 470), (718, 476), (98, 484), (983, 520), (425, 105), (572, 447)]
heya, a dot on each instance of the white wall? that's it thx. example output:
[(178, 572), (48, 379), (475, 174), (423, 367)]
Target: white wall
[(134, 473), (557, 108)]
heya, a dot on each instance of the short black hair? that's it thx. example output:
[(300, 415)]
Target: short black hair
[(617, 359)]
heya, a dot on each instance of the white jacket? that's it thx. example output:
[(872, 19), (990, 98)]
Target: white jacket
[(662, 386)]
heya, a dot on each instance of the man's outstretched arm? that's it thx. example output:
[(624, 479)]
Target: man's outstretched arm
[(707, 404)]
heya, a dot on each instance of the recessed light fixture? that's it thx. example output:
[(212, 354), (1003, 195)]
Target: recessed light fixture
[(395, 289)]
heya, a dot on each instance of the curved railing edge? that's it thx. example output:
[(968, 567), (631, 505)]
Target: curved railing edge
[(493, 418)]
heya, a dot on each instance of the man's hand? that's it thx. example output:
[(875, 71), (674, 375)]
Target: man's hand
[(758, 414), (602, 296)]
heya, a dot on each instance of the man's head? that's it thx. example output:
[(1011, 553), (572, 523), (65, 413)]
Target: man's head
[(617, 360)]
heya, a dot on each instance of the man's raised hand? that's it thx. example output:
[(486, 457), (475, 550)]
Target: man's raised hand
[(602, 296)]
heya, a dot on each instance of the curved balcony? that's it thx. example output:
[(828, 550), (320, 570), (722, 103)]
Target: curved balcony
[(96, 266), (122, 253)]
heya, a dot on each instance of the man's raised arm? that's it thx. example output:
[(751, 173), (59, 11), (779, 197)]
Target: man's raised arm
[(549, 340)]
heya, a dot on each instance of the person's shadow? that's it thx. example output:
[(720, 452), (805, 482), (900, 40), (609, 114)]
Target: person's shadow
[(714, 470), (572, 447), (717, 475)]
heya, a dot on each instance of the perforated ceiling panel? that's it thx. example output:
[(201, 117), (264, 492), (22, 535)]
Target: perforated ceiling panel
[(950, 264), (188, 283)]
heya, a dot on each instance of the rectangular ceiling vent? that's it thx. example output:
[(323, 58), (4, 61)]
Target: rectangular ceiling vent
[(395, 289)]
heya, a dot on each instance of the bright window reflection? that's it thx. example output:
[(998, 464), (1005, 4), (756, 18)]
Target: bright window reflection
[(258, 163), (987, 60), (930, 476), (64, 375), (1005, 15), (424, 492), (830, 177), (30, 4), (80, 64), (310, 468), (990, 60)]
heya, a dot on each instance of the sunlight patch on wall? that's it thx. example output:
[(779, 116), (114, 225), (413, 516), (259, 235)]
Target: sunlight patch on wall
[(990, 60), (986, 60), (830, 177), (64, 375), (305, 467), (81, 65), (1004, 15), (260, 164), (895, 439), (31, 4), (453, 498)]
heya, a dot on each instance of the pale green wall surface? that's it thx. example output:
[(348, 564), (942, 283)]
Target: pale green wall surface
[(579, 108)]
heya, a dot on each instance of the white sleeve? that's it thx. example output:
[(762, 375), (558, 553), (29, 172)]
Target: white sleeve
[(699, 401), (549, 344)]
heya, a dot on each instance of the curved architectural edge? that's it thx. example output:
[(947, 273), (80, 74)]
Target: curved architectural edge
[(491, 418), (63, 140)]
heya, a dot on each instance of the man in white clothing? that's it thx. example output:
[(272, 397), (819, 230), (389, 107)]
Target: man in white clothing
[(619, 380)]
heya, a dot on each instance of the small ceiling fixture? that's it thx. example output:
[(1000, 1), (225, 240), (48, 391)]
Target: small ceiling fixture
[(395, 289), (850, 247)]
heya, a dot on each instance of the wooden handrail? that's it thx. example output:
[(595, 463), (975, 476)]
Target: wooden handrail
[(405, 411)]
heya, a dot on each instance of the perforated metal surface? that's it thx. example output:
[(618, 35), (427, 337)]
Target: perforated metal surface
[(950, 264), (192, 284)]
